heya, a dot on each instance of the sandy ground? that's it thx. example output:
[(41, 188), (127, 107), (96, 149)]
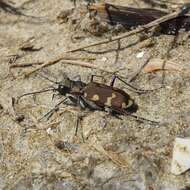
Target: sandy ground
[(108, 153)]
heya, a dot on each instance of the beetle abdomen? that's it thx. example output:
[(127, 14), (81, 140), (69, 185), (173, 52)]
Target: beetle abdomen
[(107, 96)]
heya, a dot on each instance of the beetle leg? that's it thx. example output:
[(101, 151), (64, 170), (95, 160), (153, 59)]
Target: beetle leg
[(112, 112), (185, 9), (77, 101), (113, 80), (79, 119), (138, 118), (137, 90), (77, 124), (92, 77), (77, 78), (89, 104), (54, 95), (81, 103), (142, 119), (116, 77), (52, 110), (80, 116), (73, 100), (74, 3)]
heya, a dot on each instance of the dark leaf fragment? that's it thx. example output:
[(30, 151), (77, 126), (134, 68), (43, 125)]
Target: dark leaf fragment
[(130, 17)]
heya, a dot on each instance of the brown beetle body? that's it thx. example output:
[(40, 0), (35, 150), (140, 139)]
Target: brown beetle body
[(105, 96), (95, 96)]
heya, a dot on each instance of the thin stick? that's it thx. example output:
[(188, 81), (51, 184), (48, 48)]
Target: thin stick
[(42, 64), (72, 62), (25, 64), (134, 76), (132, 32)]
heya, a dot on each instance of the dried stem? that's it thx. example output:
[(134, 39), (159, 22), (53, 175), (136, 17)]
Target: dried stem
[(25, 64), (67, 61), (132, 32)]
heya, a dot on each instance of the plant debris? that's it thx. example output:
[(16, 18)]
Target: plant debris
[(130, 17)]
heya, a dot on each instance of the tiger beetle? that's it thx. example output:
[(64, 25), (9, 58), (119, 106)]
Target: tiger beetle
[(96, 96)]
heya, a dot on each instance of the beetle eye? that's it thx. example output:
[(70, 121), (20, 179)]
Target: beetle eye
[(63, 89)]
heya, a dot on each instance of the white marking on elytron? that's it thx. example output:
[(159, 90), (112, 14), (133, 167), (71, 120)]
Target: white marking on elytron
[(123, 105), (109, 99), (130, 103), (95, 97), (85, 94)]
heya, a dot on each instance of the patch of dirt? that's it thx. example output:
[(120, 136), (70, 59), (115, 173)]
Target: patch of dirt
[(107, 153)]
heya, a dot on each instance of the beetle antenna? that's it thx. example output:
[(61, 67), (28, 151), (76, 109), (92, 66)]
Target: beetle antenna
[(36, 92), (142, 119), (138, 118), (55, 82), (54, 109)]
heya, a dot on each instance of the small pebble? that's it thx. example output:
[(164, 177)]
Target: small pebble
[(20, 118), (49, 131), (104, 59), (140, 54), (181, 156)]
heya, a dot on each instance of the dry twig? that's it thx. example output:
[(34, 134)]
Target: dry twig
[(64, 58), (116, 159), (66, 61), (132, 32), (157, 65), (25, 64)]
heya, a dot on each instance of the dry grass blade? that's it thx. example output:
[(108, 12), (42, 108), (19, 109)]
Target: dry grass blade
[(121, 162), (132, 32), (157, 65), (44, 64), (25, 64), (65, 61)]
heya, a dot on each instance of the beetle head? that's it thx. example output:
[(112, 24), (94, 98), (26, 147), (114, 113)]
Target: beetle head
[(64, 86)]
